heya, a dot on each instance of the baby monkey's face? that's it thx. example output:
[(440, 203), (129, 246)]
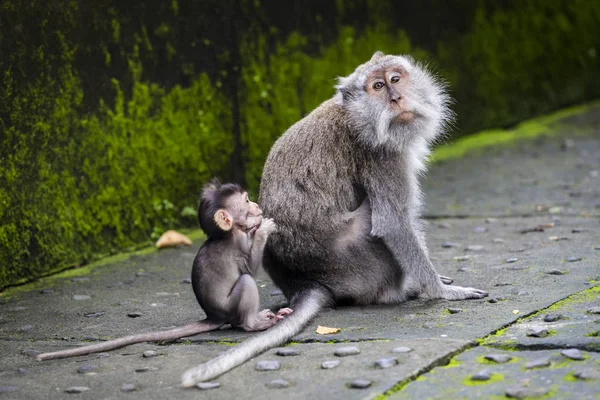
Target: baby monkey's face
[(247, 214)]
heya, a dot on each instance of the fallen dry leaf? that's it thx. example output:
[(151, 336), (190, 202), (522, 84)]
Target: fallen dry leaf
[(323, 330), (172, 239)]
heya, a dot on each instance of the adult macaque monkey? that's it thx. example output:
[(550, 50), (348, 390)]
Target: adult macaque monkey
[(222, 273), (342, 184)]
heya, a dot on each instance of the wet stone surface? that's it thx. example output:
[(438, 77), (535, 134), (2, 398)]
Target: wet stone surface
[(503, 192)]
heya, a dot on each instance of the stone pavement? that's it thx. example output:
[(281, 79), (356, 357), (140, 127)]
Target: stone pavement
[(521, 221)]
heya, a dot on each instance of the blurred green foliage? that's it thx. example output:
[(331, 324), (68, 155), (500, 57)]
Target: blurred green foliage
[(113, 115)]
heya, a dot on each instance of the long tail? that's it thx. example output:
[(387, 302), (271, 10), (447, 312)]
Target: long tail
[(305, 308), (172, 334)]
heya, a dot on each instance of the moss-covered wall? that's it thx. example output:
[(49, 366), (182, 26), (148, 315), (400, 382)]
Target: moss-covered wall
[(113, 114)]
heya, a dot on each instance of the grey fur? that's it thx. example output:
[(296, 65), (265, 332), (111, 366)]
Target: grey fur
[(342, 185)]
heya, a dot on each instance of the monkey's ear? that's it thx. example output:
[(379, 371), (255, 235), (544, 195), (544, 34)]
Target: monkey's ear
[(223, 220), (377, 55)]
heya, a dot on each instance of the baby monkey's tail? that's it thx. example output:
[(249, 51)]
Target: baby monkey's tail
[(306, 306), (172, 334)]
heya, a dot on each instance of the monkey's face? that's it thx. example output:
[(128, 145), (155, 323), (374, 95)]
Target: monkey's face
[(249, 214), (392, 100), (388, 86)]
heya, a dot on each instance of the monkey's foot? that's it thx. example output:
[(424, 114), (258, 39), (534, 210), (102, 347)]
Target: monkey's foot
[(284, 311), (446, 280), (460, 293)]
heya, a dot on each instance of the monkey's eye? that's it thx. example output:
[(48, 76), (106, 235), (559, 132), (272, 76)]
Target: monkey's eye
[(378, 85), (395, 79)]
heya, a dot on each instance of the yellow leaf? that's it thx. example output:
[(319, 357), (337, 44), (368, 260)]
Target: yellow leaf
[(172, 239), (323, 330)]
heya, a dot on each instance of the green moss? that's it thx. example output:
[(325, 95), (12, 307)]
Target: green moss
[(495, 377), (593, 334), (501, 137)]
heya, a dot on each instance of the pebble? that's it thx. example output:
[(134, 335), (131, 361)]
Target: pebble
[(7, 389), (594, 310), (360, 383), (498, 358), (18, 308), (277, 293), (552, 317), (596, 247), (523, 293), (186, 280), (540, 363), (454, 310), (94, 314), (586, 374), (287, 352), (555, 272), (79, 297), (493, 300), (449, 245), (134, 314), (146, 369), (573, 354), (22, 371), (77, 389), (429, 325), (512, 260), (537, 332), (401, 349), (518, 267), (386, 362), (462, 258), (498, 240), (129, 387), (80, 279), (573, 259), (26, 328), (46, 291), (208, 385), (444, 225), (347, 351), (465, 269), (84, 369), (278, 384), (475, 247), (329, 364), (149, 354), (267, 365), (103, 355), (138, 274), (524, 392), (491, 220), (483, 375), (578, 230), (480, 229)]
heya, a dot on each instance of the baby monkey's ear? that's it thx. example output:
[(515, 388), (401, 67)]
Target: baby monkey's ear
[(223, 220)]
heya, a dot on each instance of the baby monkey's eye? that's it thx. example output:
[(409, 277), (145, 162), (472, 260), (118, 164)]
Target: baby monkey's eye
[(395, 79), (378, 85)]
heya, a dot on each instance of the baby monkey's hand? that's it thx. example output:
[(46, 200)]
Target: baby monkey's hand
[(266, 227)]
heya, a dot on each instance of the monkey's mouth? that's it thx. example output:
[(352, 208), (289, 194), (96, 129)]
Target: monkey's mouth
[(405, 116)]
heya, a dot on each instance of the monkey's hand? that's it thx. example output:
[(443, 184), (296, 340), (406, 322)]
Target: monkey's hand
[(266, 227)]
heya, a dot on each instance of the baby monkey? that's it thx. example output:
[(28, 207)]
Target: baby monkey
[(222, 273)]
